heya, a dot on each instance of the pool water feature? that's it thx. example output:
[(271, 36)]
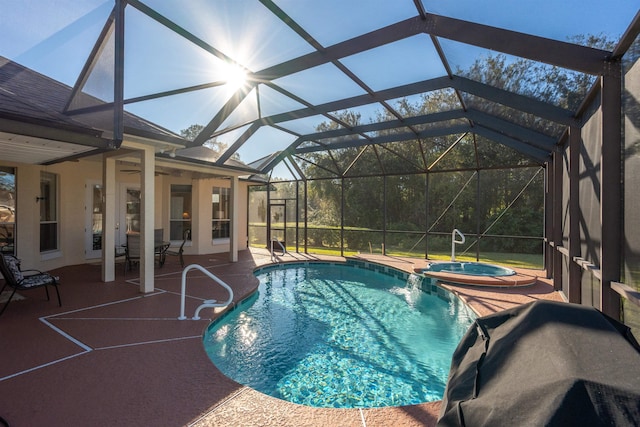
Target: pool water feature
[(343, 336)]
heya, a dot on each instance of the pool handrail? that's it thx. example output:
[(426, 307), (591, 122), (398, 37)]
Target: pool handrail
[(284, 249), (454, 242), (212, 303)]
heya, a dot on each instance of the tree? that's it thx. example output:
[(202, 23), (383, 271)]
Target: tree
[(449, 197), (193, 131)]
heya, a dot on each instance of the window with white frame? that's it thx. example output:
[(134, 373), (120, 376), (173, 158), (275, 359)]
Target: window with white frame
[(7, 209), (180, 219), (221, 221), (48, 200)]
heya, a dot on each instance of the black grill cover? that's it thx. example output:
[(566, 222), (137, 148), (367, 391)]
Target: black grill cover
[(544, 364)]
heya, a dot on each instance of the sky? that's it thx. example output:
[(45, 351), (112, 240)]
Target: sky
[(54, 37)]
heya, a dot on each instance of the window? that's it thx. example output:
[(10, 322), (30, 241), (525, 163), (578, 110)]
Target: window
[(96, 217), (7, 209), (48, 201), (132, 216), (180, 219), (221, 220)]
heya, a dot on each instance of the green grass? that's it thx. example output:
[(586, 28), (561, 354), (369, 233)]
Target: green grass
[(533, 261)]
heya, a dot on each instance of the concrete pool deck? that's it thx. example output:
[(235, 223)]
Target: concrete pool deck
[(113, 356)]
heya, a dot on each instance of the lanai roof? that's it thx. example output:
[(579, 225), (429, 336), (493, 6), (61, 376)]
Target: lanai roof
[(307, 65)]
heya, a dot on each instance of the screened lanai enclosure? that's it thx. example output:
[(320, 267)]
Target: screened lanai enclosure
[(495, 209), (383, 126)]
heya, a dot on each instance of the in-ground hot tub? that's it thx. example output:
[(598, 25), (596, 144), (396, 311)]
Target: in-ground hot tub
[(475, 273)]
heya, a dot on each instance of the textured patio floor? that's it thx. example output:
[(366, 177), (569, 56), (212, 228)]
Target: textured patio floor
[(113, 356)]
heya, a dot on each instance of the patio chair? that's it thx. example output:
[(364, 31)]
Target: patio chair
[(17, 279), (178, 252), (160, 246), (132, 251)]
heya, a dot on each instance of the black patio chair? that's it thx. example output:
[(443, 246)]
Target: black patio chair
[(25, 280), (132, 251), (160, 246), (178, 252)]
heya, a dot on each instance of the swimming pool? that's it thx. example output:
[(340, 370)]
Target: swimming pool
[(344, 336)]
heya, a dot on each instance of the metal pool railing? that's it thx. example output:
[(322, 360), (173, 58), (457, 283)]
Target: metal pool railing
[(454, 241), (211, 303), (273, 255)]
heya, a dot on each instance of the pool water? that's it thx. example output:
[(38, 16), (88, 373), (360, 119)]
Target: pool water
[(470, 268), (340, 336)]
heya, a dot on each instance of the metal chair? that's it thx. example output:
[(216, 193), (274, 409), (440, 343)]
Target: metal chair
[(25, 280), (132, 252), (160, 247), (178, 252)]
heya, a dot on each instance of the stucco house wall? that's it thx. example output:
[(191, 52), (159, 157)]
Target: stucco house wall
[(72, 210)]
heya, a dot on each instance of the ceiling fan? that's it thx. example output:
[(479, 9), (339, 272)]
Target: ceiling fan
[(132, 171)]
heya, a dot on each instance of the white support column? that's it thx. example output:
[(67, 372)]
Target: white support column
[(147, 220), (109, 218), (233, 232)]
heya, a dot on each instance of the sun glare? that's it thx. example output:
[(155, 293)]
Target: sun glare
[(234, 76)]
